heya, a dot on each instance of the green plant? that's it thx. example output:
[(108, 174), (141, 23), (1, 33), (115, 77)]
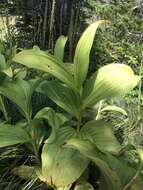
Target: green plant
[(74, 140)]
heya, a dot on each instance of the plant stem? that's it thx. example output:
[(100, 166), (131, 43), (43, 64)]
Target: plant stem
[(140, 93), (79, 123), (99, 109), (35, 150), (3, 109)]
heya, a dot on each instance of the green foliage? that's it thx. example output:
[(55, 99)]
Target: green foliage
[(64, 145), (59, 47), (58, 161), (50, 64), (101, 134), (63, 96), (123, 41), (11, 135), (19, 92), (82, 52), (106, 84)]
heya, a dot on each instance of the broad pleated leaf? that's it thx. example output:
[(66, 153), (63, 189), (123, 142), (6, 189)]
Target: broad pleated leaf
[(43, 61), (109, 81), (114, 109), (11, 135), (100, 133), (63, 96), (82, 53), (89, 150), (59, 47), (116, 173), (129, 176), (118, 168), (62, 166), (19, 92)]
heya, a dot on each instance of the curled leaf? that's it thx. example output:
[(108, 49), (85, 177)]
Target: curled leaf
[(114, 109)]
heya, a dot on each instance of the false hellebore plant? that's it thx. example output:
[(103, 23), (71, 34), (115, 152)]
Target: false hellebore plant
[(74, 140)]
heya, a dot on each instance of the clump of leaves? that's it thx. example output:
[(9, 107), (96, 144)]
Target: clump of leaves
[(65, 143)]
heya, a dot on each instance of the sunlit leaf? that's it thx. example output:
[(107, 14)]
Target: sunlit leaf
[(82, 53), (140, 152), (59, 47), (8, 71), (90, 151), (45, 62), (101, 134), (62, 166), (109, 81)]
